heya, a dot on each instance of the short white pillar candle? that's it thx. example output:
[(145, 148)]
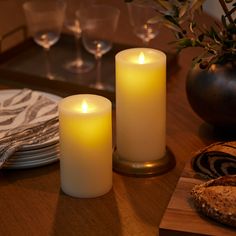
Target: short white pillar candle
[(141, 104), (85, 145)]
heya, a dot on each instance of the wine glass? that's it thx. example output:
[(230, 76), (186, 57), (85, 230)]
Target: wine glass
[(140, 13), (72, 23), (98, 23), (45, 20)]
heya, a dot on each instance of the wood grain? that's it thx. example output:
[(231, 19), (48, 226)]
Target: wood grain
[(181, 217), (31, 202)]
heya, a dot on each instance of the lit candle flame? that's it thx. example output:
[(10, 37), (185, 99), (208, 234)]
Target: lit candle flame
[(84, 106), (141, 58)]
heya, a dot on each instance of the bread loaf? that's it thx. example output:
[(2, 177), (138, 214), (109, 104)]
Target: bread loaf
[(217, 199)]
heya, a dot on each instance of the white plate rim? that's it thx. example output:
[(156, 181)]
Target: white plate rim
[(32, 158), (51, 96), (31, 165)]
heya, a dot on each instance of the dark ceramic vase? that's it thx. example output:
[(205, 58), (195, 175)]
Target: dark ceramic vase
[(212, 95)]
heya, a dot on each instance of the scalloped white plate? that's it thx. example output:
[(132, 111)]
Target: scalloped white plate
[(35, 155), (10, 92)]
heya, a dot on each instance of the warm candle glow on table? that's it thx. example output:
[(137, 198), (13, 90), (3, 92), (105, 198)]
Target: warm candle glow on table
[(141, 104), (85, 145)]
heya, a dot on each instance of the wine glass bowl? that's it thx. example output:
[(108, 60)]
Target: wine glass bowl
[(98, 23), (97, 47), (140, 13), (146, 32), (46, 39), (44, 20)]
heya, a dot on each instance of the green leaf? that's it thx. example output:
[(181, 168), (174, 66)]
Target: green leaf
[(185, 42), (171, 26), (171, 19), (213, 35), (165, 4), (201, 37), (196, 60), (183, 9), (223, 20), (155, 19), (175, 11), (179, 35), (212, 61), (196, 4), (192, 25)]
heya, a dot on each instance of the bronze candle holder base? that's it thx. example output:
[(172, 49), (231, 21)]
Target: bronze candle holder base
[(143, 169)]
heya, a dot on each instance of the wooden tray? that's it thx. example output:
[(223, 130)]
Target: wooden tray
[(27, 58), (181, 218)]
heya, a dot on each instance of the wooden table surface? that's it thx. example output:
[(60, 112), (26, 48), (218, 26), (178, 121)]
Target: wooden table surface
[(32, 203)]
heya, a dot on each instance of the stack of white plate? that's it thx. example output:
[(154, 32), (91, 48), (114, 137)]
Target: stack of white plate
[(36, 154)]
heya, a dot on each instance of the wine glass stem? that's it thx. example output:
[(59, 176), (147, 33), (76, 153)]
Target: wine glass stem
[(146, 42), (47, 62), (78, 50), (98, 70)]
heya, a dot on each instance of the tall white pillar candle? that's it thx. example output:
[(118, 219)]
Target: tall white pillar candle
[(85, 145), (141, 104)]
